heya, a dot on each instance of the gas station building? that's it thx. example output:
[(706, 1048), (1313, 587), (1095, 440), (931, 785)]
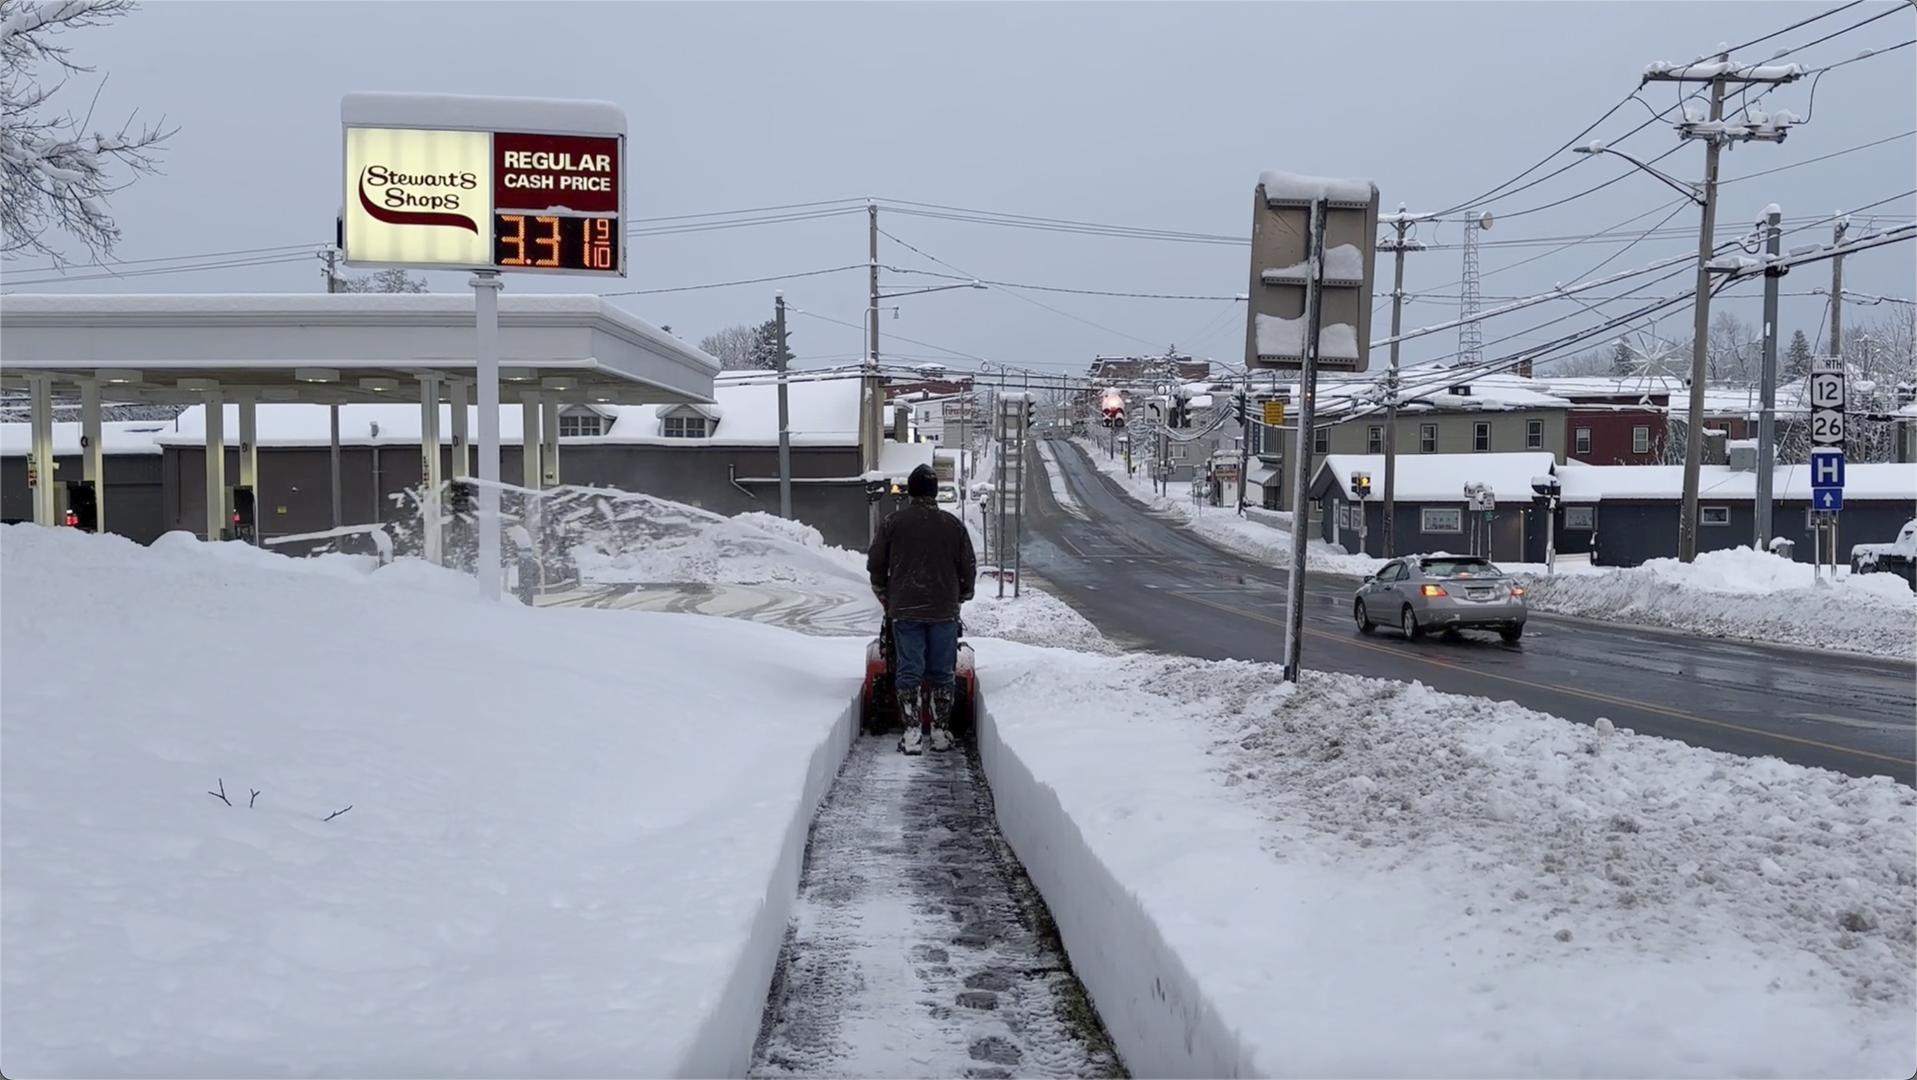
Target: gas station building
[(327, 349)]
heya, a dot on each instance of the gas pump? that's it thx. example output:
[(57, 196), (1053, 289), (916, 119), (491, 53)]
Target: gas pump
[(82, 506), (245, 526)]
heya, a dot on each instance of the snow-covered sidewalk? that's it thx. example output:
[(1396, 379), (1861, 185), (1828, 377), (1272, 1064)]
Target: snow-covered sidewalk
[(1746, 594), (1264, 536), (572, 846), (1362, 878)]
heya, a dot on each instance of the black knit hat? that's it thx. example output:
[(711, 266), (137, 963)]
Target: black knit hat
[(923, 483)]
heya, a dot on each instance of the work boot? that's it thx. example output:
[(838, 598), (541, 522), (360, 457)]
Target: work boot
[(939, 715), (912, 715)]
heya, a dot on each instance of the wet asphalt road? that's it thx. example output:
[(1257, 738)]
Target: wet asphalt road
[(1149, 583)]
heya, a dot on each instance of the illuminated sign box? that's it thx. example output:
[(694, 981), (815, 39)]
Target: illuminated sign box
[(441, 181)]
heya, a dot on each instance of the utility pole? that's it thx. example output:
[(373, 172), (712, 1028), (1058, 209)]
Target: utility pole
[(785, 433), (1767, 387), (873, 420), (1700, 342), (332, 411), (1837, 292), (1398, 246), (1719, 73)]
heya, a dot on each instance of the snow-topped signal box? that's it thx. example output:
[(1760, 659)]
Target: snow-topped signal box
[(1276, 325), (456, 182)]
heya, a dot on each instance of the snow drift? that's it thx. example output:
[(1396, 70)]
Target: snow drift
[(571, 849), (1748, 594), (1364, 878)]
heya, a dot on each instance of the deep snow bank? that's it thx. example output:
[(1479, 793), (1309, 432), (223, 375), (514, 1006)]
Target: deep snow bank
[(573, 841), (1264, 536), (1748, 594), (1373, 879)]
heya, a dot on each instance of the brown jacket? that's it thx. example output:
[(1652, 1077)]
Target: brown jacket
[(921, 564)]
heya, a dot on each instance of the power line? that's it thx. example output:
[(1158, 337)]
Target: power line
[(1886, 13), (1823, 157), (896, 337), (739, 281), (276, 260), (1013, 293)]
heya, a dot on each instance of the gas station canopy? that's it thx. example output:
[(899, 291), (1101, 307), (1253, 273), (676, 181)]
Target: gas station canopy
[(344, 347)]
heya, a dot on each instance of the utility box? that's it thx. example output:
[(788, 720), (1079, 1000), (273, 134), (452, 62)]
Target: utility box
[(1277, 325)]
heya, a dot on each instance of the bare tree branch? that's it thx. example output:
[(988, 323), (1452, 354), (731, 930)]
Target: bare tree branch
[(251, 801), (221, 794), (55, 177), (337, 813)]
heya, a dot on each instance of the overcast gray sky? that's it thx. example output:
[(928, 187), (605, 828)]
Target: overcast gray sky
[(1142, 114)]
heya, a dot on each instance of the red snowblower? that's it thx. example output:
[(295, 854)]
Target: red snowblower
[(879, 700)]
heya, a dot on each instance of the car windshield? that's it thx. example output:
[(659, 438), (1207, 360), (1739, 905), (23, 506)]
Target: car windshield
[(1460, 568)]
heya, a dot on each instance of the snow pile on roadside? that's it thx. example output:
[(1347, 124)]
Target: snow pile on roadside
[(1748, 594), (750, 549), (1034, 618), (1357, 877), (1264, 536), (573, 840)]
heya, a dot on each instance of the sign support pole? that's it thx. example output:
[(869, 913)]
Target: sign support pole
[(486, 285), (1301, 447), (1767, 392)]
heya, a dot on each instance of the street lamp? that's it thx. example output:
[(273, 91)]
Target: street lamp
[(1690, 191), (1704, 197)]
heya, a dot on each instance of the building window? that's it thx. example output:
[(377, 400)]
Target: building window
[(1641, 439), (1374, 439), (685, 427), (583, 424), (1534, 434), (1481, 437), (1715, 515), (1579, 517), (1427, 438), (1321, 441), (1584, 441), (1441, 520)]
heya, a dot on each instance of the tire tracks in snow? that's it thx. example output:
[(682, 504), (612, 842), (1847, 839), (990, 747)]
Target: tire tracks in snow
[(917, 946)]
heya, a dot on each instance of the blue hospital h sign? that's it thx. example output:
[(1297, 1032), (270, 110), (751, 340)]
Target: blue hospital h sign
[(1827, 469)]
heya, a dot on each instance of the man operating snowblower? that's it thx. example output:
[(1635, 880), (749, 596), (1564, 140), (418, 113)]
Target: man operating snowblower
[(922, 569)]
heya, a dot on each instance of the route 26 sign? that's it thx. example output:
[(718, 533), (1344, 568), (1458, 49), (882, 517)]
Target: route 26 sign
[(1827, 404)]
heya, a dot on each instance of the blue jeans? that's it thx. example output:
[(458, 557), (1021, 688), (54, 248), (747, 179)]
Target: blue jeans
[(927, 652)]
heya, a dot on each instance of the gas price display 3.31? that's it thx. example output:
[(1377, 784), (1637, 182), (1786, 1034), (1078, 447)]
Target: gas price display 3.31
[(551, 242)]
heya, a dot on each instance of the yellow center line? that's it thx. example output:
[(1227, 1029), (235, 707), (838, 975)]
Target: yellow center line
[(1590, 695)]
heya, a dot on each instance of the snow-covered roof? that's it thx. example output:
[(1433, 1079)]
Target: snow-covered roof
[(822, 412), (1294, 188), (1871, 482), (898, 459), (555, 116), (1439, 477), (116, 437), (266, 340)]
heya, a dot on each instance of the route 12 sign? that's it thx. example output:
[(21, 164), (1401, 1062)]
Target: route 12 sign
[(1827, 404)]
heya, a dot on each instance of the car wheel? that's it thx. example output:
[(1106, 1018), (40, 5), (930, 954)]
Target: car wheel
[(1408, 622), (1358, 612), (1511, 633)]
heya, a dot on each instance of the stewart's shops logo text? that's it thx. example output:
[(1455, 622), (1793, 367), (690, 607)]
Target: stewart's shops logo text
[(400, 198)]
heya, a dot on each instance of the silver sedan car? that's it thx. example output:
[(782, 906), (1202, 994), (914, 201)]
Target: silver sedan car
[(1440, 592)]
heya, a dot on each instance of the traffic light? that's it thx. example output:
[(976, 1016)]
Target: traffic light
[(243, 513), (1360, 485), (1240, 409), (83, 506)]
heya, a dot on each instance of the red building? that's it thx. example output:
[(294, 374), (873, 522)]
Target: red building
[(1615, 434)]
